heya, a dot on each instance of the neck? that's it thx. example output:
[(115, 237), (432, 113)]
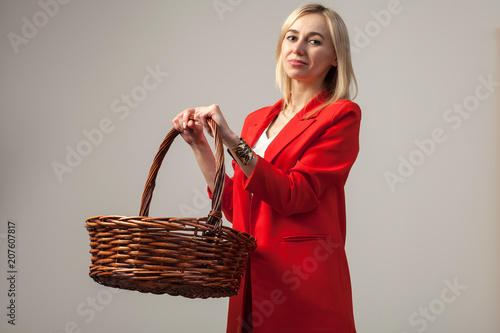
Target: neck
[(303, 92)]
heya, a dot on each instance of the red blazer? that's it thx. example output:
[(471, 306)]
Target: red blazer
[(293, 203)]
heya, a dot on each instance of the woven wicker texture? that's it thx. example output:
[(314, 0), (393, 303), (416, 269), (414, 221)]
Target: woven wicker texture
[(190, 257)]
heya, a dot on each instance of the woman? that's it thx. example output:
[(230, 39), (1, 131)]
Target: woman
[(290, 166)]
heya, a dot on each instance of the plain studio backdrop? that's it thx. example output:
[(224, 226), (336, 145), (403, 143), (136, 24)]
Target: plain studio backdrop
[(88, 92)]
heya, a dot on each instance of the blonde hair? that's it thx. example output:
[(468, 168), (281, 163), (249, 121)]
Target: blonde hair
[(339, 79)]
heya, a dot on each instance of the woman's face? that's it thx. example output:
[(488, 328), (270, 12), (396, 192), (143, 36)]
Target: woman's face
[(307, 50)]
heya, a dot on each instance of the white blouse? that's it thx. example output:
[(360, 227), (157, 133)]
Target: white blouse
[(263, 142)]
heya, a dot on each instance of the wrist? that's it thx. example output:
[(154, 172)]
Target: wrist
[(231, 140), (242, 152), (199, 144)]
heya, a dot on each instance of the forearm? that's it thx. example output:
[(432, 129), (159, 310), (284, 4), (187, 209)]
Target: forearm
[(206, 161), (231, 140)]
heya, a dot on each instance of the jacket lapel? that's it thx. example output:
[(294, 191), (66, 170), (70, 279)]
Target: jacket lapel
[(255, 130), (295, 127)]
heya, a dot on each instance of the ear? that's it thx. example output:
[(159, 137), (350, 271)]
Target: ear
[(335, 62)]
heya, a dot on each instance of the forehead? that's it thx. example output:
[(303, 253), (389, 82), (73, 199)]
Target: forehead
[(311, 23)]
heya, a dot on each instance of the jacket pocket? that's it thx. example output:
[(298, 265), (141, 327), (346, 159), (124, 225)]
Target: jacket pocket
[(303, 238)]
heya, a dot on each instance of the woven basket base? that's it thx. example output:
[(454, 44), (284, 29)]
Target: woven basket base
[(170, 288)]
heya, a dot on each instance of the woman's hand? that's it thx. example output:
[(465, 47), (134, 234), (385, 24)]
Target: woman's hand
[(191, 131), (201, 114)]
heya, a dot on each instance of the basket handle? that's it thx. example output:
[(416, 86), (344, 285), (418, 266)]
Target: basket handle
[(215, 215)]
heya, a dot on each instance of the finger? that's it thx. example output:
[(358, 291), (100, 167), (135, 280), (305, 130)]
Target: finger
[(200, 117), (191, 124), (185, 117), (177, 124)]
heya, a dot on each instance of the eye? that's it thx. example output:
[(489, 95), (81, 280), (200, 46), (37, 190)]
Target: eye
[(292, 38), (315, 42)]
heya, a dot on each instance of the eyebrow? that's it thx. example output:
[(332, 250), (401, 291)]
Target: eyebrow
[(313, 33)]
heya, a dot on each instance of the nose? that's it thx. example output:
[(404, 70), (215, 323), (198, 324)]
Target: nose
[(298, 48)]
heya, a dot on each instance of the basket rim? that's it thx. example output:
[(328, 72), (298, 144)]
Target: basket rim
[(147, 222)]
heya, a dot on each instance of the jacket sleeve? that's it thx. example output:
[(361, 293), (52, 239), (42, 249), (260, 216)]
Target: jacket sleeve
[(325, 163)]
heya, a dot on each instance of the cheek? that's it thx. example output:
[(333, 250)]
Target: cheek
[(323, 59), (285, 50)]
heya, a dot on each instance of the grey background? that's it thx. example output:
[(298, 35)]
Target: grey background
[(406, 245)]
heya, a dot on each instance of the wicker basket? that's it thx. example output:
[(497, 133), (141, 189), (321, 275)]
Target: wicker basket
[(190, 257)]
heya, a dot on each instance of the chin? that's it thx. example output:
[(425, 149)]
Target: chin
[(297, 73), (298, 77)]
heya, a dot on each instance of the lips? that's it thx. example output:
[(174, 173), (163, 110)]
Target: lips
[(296, 62)]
